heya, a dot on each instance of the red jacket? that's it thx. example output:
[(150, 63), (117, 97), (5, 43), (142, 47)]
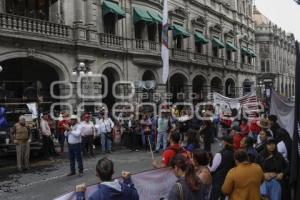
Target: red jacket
[(237, 141), (244, 130), (254, 127)]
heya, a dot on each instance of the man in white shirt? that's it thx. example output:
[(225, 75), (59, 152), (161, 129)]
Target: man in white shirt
[(48, 145), (104, 127), (88, 133), (73, 133)]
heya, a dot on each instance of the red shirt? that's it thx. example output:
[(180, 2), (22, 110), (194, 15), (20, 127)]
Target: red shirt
[(244, 129), (61, 127), (169, 153), (237, 141), (254, 127)]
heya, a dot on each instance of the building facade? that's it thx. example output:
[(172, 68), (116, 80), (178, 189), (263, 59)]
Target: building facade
[(277, 55), (212, 46)]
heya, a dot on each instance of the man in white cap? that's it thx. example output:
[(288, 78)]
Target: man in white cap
[(73, 133)]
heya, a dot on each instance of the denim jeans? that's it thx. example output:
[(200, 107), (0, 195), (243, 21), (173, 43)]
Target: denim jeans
[(271, 189), (105, 143), (162, 138), (75, 153), (145, 139)]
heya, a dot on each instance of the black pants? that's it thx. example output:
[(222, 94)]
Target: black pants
[(133, 140), (48, 147), (87, 145)]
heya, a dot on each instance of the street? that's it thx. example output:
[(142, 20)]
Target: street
[(47, 179)]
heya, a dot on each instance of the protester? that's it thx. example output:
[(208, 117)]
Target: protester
[(104, 128), (192, 140), (21, 140), (200, 161), (275, 169), (247, 144), (261, 143), (207, 131), (48, 148), (274, 126), (265, 125), (243, 181), (61, 131), (73, 132), (254, 128), (188, 185), (284, 144), (109, 189), (163, 127), (237, 137), (132, 125), (221, 164), (244, 127), (146, 130), (88, 133), (171, 151)]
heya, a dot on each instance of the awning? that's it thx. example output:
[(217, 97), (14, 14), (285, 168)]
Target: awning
[(110, 7), (251, 53), (218, 43), (230, 46), (199, 38), (180, 31), (140, 14), (244, 50), (155, 16)]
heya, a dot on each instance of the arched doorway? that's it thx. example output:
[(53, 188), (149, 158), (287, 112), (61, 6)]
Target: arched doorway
[(216, 85), (25, 78), (112, 76), (247, 84), (199, 88), (149, 82), (230, 88), (177, 85), (148, 76)]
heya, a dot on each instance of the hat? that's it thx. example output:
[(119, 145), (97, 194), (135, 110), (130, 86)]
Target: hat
[(74, 117), (263, 123), (227, 139), (271, 141)]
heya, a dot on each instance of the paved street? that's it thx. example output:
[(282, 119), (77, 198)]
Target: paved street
[(47, 178)]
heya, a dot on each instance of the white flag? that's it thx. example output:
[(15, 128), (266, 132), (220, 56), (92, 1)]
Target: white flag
[(165, 39), (32, 107)]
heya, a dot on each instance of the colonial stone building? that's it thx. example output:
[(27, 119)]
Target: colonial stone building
[(212, 45), (277, 56)]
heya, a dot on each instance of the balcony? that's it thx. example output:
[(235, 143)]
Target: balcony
[(179, 54), (230, 64), (200, 58), (33, 27), (219, 62), (111, 41)]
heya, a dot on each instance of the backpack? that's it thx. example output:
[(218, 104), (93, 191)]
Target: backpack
[(182, 151)]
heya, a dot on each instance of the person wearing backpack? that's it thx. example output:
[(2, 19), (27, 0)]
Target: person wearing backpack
[(171, 151), (188, 185)]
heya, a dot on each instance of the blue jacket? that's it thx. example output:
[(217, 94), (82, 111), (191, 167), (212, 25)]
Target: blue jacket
[(114, 190)]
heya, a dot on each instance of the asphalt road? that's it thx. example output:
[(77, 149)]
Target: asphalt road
[(47, 179)]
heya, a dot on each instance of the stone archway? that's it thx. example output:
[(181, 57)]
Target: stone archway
[(230, 88), (216, 85), (178, 87), (112, 76), (148, 76), (200, 88)]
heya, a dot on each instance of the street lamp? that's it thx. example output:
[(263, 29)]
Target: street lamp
[(82, 69)]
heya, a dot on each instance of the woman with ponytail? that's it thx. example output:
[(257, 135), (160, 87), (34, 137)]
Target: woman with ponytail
[(188, 185)]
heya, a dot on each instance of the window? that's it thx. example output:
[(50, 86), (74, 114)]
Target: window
[(152, 28), (215, 51), (29, 8), (268, 66), (229, 55), (138, 28), (199, 48), (243, 59), (249, 60), (109, 22), (263, 67), (178, 42)]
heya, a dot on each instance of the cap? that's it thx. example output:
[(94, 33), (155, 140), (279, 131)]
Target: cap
[(271, 141), (263, 123), (74, 117)]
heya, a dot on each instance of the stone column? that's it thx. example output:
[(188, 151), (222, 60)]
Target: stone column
[(2, 6), (78, 11)]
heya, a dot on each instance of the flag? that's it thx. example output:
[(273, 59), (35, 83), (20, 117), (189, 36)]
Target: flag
[(165, 39), (295, 161)]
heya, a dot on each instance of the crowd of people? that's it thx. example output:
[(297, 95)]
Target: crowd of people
[(253, 162)]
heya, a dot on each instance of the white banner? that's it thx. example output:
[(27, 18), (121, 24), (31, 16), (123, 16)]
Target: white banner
[(153, 184), (32, 107)]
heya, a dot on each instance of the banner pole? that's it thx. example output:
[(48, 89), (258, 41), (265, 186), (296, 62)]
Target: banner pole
[(150, 146)]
